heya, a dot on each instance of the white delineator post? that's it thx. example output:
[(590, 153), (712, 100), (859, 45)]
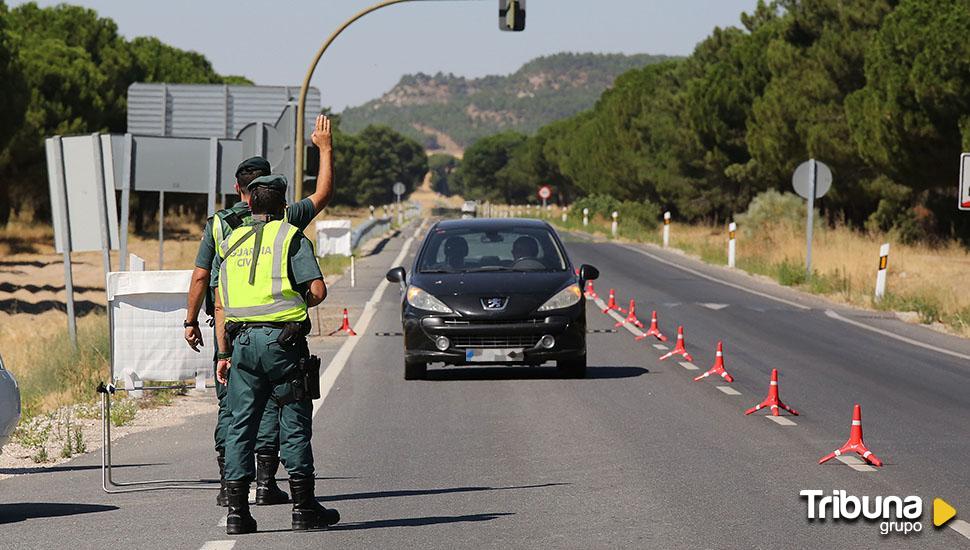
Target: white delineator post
[(615, 226), (881, 274), (372, 211), (585, 217), (732, 249), (353, 272), (666, 229), (565, 215)]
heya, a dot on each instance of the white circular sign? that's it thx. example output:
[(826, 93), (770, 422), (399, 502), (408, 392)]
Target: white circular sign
[(545, 192), (398, 188), (801, 181)]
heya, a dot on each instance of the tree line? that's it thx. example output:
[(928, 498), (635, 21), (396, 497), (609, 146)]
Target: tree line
[(877, 89), (64, 70)]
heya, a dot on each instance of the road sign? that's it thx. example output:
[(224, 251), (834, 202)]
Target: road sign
[(545, 192), (801, 179), (964, 203), (398, 189)]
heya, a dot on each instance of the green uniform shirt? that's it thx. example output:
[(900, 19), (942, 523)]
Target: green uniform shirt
[(303, 266), (299, 215)]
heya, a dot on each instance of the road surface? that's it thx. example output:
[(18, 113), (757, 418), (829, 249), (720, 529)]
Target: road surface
[(635, 456)]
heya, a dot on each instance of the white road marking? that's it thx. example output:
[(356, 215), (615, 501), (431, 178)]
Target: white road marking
[(960, 526), (222, 522), (218, 545), (661, 347), (715, 279), (687, 365), (728, 390), (855, 463), (781, 420), (329, 376), (715, 307), (834, 315)]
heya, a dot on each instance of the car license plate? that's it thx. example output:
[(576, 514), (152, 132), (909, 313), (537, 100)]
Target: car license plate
[(491, 355)]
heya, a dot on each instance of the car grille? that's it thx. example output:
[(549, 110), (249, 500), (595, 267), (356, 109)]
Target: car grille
[(510, 341)]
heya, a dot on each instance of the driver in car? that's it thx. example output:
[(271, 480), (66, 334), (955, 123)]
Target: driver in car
[(456, 250), (525, 247)]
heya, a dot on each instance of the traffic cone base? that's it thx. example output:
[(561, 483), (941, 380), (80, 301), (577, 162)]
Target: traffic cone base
[(680, 349), (718, 367), (344, 326), (611, 303), (654, 330), (772, 401), (855, 444)]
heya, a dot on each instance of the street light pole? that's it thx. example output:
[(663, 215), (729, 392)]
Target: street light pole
[(301, 104)]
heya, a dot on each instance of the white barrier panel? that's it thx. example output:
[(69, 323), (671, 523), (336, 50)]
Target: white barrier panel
[(333, 237), (145, 312)]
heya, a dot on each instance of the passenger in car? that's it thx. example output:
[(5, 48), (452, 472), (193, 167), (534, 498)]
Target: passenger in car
[(525, 247), (456, 250)]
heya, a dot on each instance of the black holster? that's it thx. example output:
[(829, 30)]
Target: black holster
[(293, 332), (302, 383)]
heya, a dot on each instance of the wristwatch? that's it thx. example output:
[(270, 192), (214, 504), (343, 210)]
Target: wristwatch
[(186, 324)]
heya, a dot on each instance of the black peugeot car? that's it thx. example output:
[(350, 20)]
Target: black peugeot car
[(493, 291)]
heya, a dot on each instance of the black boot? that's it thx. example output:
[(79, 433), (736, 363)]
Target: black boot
[(239, 521), (222, 499), (267, 491), (307, 513)]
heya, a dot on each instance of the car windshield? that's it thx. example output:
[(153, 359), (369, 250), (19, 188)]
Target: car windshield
[(511, 248)]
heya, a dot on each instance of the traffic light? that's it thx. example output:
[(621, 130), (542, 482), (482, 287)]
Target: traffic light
[(511, 15)]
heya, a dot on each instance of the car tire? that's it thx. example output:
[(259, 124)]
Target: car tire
[(415, 370), (572, 368)]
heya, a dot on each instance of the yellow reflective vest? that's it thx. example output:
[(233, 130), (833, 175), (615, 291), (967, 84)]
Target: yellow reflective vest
[(253, 278)]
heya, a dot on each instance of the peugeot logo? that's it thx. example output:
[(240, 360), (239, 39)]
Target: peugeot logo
[(494, 304)]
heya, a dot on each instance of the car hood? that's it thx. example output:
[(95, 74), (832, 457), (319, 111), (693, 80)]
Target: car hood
[(463, 292)]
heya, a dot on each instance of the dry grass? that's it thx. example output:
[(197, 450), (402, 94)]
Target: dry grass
[(921, 278)]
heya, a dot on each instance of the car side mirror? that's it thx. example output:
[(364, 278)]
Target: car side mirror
[(397, 275), (588, 273)]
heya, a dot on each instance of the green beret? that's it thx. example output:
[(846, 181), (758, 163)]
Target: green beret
[(275, 182), (254, 164)]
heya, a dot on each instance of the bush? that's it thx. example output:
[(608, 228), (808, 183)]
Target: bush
[(645, 214), (602, 205), (771, 208)]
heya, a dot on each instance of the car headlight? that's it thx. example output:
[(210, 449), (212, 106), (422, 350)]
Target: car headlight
[(420, 299), (566, 297)]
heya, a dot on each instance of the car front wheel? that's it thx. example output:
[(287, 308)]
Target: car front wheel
[(415, 370), (572, 368)]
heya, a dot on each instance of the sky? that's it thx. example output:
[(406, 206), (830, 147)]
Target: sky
[(273, 43)]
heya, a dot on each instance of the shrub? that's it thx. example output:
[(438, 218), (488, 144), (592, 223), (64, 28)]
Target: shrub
[(771, 208)]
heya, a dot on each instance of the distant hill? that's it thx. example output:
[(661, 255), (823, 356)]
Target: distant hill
[(448, 113)]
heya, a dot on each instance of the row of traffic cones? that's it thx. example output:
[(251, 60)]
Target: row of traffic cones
[(772, 401)]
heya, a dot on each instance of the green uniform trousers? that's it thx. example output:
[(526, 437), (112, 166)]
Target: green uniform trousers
[(268, 435), (257, 361)]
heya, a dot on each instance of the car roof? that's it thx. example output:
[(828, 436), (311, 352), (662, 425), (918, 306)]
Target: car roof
[(485, 224)]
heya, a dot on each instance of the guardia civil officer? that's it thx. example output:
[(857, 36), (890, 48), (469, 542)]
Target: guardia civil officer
[(267, 276), (217, 228)]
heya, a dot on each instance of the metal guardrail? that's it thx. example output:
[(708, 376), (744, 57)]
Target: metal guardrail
[(367, 229)]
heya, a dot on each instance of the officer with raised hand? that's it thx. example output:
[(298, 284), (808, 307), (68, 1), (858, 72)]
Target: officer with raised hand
[(217, 228), (267, 276)]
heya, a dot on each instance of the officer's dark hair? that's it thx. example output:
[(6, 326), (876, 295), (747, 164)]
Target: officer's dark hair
[(264, 200), (246, 175)]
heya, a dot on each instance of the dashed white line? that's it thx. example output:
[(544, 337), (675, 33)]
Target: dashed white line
[(222, 522), (661, 347), (781, 420), (714, 307), (960, 526), (218, 545), (728, 390), (688, 365), (329, 376), (855, 463)]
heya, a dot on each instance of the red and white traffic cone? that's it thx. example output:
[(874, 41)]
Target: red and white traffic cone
[(855, 443), (590, 291), (679, 349), (611, 303), (631, 317), (654, 330), (718, 367), (345, 326), (772, 401)]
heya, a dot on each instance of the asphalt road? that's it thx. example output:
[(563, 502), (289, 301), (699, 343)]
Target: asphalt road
[(635, 456)]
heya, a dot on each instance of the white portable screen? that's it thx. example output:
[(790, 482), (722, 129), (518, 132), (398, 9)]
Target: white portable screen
[(334, 237), (146, 310)]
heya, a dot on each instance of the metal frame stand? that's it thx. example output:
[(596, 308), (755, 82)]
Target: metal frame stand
[(115, 487)]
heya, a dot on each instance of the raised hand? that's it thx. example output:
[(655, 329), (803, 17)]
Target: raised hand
[(322, 136)]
